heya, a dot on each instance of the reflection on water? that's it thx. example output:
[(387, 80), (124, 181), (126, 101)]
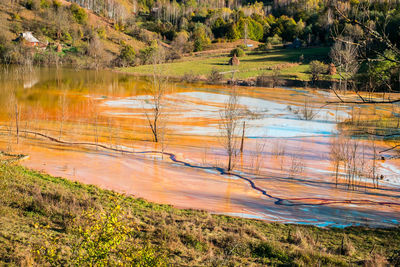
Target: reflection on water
[(286, 158)]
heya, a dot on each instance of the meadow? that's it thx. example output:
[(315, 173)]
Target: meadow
[(286, 61)]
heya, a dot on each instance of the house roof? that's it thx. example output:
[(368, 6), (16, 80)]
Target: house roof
[(28, 36)]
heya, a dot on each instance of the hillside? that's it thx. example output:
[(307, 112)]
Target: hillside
[(56, 23), (51, 220)]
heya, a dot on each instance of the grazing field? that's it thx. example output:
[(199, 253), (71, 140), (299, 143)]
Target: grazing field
[(286, 61), (45, 219)]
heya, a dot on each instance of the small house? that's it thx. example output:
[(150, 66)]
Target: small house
[(295, 44), (28, 39)]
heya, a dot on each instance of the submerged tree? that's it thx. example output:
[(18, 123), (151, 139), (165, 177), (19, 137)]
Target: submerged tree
[(62, 112), (230, 127), (155, 114)]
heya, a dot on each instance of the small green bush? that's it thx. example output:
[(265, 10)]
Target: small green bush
[(317, 68), (15, 16), (45, 4), (215, 76), (264, 47), (56, 4), (243, 47), (127, 55), (238, 52), (101, 32), (266, 250), (78, 13), (274, 40)]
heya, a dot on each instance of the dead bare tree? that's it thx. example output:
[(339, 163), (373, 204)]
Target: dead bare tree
[(373, 167), (96, 51), (243, 135), (229, 126), (305, 112), (155, 115), (297, 166), (93, 119), (256, 157), (336, 156), (62, 115), (373, 40), (17, 114), (344, 54), (352, 163)]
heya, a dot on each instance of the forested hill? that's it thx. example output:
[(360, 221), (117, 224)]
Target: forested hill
[(108, 33)]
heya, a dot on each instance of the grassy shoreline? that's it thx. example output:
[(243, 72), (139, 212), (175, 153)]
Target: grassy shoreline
[(39, 215)]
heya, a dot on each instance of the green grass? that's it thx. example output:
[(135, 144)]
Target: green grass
[(251, 65), (42, 219)]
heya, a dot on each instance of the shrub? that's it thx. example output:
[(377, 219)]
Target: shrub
[(317, 68), (243, 47), (67, 37), (172, 55), (3, 47), (266, 250), (347, 247), (237, 51), (264, 47), (215, 76), (153, 54), (263, 80), (274, 40), (78, 13), (15, 16), (305, 112), (82, 48), (105, 239), (45, 3), (102, 33), (273, 80), (56, 4), (127, 55), (189, 77), (395, 258)]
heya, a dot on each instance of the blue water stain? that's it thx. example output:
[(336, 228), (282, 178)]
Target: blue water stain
[(296, 90)]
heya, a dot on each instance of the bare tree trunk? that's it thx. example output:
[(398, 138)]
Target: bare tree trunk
[(157, 90), (229, 119), (17, 121), (63, 111), (337, 172), (242, 141)]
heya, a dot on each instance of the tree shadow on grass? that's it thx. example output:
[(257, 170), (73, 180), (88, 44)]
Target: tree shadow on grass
[(291, 55), (220, 64)]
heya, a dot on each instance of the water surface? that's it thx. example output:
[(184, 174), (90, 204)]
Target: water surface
[(284, 175)]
